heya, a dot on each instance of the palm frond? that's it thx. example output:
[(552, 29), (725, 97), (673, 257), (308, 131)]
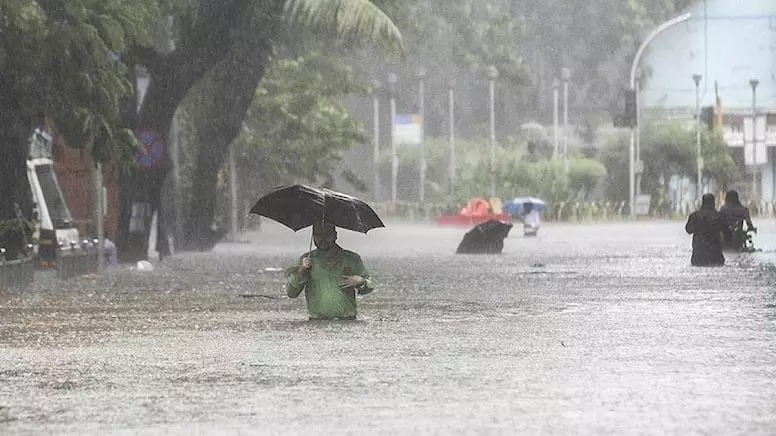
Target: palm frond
[(357, 20)]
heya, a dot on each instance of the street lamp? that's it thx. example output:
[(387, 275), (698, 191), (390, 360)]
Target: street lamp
[(555, 109), (753, 83), (697, 79), (492, 75), (421, 104), (639, 165), (565, 75), (392, 79), (635, 129), (376, 140), (451, 115)]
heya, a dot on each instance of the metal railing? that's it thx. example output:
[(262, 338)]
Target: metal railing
[(571, 211), (77, 260), (17, 273)]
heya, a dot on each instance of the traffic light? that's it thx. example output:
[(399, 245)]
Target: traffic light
[(628, 118), (707, 116), (630, 108)]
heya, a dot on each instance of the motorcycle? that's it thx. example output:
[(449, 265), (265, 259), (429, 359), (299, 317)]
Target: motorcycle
[(740, 239)]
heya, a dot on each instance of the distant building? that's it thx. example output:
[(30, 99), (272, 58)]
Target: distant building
[(728, 42)]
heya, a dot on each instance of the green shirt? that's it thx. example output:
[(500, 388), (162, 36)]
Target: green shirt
[(325, 299)]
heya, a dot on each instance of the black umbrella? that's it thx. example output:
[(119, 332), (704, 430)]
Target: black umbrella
[(300, 206), (485, 238)]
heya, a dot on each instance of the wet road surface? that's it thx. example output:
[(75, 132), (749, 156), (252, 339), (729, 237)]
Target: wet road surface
[(587, 329)]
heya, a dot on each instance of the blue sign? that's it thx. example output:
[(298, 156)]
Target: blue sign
[(151, 156)]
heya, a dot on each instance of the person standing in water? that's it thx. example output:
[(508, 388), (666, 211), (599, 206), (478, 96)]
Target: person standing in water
[(330, 277), (735, 214), (531, 220), (706, 226)]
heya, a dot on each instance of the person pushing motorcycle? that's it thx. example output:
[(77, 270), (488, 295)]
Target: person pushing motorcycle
[(735, 214)]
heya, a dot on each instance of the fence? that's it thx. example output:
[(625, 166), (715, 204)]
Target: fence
[(16, 274), (76, 261), (565, 211)]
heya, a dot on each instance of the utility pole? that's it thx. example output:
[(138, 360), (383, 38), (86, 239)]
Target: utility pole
[(492, 75), (555, 117), (565, 75), (753, 83), (99, 210), (451, 115), (421, 104), (697, 79), (394, 152), (376, 140), (639, 170)]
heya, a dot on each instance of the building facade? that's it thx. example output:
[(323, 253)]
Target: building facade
[(729, 43)]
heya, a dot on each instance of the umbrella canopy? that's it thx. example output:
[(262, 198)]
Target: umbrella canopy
[(485, 238), (300, 206), (516, 205)]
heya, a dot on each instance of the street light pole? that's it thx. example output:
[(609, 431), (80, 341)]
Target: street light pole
[(421, 104), (492, 75), (697, 79), (233, 193), (753, 83), (635, 130), (451, 115), (565, 75), (376, 140), (555, 110), (99, 210), (394, 155), (638, 163)]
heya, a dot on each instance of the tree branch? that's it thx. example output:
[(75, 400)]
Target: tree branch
[(205, 44)]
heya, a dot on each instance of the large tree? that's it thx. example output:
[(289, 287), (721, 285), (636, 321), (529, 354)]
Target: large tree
[(232, 70), (58, 62)]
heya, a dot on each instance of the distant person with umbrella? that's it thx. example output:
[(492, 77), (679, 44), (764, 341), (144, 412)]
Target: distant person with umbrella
[(330, 276), (531, 220), (528, 210)]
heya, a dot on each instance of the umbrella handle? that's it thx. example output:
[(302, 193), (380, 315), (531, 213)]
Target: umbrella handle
[(323, 220)]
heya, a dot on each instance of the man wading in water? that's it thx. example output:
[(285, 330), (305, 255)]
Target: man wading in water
[(706, 225), (330, 277)]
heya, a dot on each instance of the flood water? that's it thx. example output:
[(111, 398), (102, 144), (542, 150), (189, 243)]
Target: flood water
[(586, 329)]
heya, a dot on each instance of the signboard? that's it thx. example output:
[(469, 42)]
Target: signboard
[(755, 147), (151, 156), (642, 204), (408, 129), (733, 130)]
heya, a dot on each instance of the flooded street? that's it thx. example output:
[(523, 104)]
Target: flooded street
[(587, 329)]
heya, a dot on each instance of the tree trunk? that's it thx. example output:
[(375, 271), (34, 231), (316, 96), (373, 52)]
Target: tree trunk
[(231, 87), (171, 77), (14, 185)]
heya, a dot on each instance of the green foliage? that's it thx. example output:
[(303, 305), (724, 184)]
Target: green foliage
[(346, 20), (13, 235), (59, 61), (668, 149), (298, 126), (585, 175), (516, 174)]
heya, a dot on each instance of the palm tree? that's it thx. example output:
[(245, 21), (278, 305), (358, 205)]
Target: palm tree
[(359, 20)]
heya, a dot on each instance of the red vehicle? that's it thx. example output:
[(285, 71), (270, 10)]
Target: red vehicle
[(476, 212)]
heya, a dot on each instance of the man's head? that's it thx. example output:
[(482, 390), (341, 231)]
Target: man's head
[(324, 236), (732, 197), (708, 201), (527, 206)]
